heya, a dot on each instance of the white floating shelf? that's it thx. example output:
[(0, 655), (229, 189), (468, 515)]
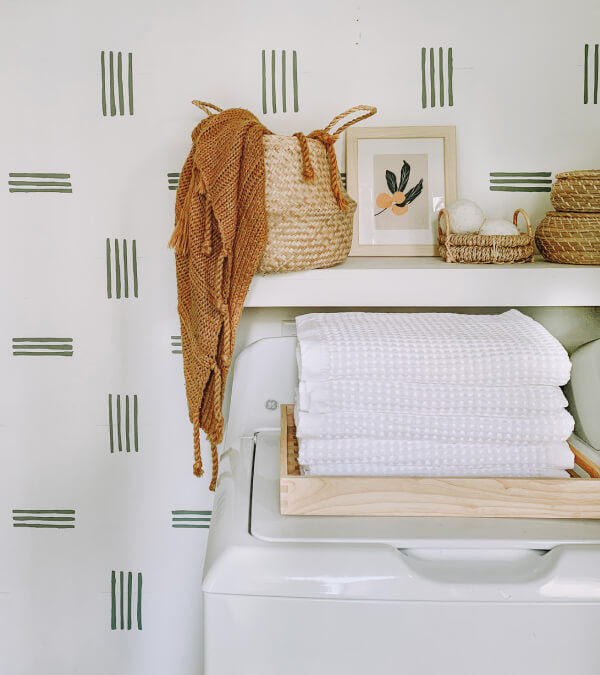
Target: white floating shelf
[(429, 282)]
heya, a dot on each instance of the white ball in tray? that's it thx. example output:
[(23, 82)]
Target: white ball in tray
[(498, 226), (465, 216)]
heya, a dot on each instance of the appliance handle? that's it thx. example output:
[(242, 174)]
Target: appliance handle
[(567, 571)]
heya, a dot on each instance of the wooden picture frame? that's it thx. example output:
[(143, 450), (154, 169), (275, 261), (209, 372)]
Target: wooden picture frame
[(435, 162)]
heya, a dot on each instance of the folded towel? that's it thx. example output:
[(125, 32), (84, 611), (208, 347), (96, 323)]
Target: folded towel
[(408, 397), (513, 471), (357, 451), (501, 350), (534, 429)]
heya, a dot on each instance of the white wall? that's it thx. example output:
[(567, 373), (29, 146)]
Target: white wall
[(518, 106)]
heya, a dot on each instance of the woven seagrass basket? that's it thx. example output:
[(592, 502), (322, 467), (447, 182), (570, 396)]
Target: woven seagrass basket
[(499, 249), (309, 213), (576, 191), (570, 238)]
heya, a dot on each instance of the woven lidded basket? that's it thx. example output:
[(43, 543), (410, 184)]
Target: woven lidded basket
[(485, 248), (570, 238), (309, 212), (577, 191)]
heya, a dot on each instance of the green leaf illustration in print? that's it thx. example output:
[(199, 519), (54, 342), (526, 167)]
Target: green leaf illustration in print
[(398, 200), (390, 178), (404, 176)]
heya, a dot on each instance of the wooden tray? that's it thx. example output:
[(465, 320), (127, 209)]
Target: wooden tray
[(431, 496)]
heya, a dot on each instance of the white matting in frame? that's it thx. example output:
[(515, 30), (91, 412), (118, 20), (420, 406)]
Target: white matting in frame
[(419, 162)]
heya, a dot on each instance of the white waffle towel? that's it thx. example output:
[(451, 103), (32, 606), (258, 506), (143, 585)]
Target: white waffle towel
[(500, 350), (409, 397), (535, 429), (508, 470), (357, 451)]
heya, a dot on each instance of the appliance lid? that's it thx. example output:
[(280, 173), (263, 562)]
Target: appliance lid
[(267, 524)]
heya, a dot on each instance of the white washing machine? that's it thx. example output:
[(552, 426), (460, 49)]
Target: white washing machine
[(319, 595)]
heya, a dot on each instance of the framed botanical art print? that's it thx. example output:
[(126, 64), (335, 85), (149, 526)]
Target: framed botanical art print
[(400, 177)]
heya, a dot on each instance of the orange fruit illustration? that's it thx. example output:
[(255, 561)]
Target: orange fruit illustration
[(383, 201), (400, 210)]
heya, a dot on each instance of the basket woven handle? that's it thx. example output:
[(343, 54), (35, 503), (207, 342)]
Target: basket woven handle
[(442, 213), (369, 111), (527, 221), (205, 107)]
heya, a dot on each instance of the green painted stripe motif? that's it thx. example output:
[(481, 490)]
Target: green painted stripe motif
[(176, 344), (520, 181), (39, 182), (590, 74), (42, 346), (278, 83), (184, 518), (123, 423), (173, 180), (432, 82), (121, 269), (122, 599), (114, 85), (57, 519)]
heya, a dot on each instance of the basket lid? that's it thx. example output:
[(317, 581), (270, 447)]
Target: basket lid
[(593, 174)]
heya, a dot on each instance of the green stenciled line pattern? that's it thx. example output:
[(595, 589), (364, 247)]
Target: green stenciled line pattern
[(520, 181), (445, 77), (125, 269), (39, 182), (273, 83), (183, 518), (57, 519), (176, 344), (119, 437), (122, 598), (42, 346), (173, 180), (343, 177), (590, 75), (114, 82), (269, 71)]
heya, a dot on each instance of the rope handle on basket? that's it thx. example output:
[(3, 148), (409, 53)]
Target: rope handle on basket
[(527, 221), (442, 213), (204, 106), (370, 111)]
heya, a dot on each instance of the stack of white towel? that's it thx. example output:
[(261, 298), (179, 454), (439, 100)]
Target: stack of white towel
[(431, 395)]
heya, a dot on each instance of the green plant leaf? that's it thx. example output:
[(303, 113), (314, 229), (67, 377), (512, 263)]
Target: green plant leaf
[(414, 192), (404, 176), (390, 178)]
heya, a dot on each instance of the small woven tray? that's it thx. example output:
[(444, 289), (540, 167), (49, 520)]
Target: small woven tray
[(576, 191), (570, 238), (499, 249)]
